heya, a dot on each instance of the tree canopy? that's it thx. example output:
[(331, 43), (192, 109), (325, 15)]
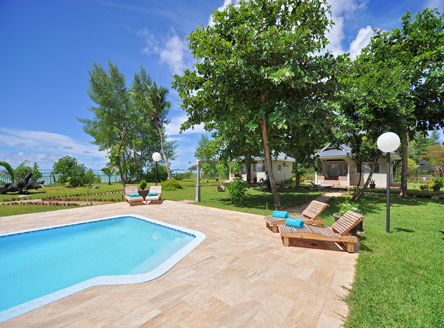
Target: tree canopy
[(413, 56), (260, 67)]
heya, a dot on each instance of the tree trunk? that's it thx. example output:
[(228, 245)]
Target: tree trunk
[(296, 171), (360, 192), (274, 190), (22, 186), (404, 166), (118, 156), (163, 152)]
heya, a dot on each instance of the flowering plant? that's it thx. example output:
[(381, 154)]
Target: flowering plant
[(346, 206)]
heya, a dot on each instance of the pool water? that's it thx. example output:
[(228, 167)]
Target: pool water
[(38, 263)]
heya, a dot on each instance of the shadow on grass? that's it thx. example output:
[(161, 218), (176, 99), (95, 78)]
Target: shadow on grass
[(403, 230)]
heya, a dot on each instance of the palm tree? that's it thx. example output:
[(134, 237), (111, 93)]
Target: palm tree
[(10, 172), (109, 171), (153, 101)]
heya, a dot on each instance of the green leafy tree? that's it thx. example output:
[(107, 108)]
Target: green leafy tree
[(259, 66), (375, 99), (414, 52), (205, 152), (412, 166), (72, 172), (10, 172)]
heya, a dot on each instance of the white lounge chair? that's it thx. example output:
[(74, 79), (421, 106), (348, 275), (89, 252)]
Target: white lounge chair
[(133, 200), (151, 199)]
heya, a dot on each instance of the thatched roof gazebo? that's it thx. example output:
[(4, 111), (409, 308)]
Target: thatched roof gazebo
[(425, 166)]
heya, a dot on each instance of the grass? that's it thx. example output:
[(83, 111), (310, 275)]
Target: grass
[(255, 201), (25, 209), (399, 280)]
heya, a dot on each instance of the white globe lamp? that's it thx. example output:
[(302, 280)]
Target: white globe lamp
[(156, 157), (388, 142)]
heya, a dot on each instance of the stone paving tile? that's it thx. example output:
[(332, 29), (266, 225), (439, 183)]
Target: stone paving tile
[(239, 276), (307, 309), (99, 318), (328, 322), (206, 315), (203, 293), (240, 314), (62, 319), (171, 316), (136, 317), (71, 301), (274, 312)]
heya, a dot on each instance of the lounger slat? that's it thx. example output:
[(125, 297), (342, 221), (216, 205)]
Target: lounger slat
[(347, 222), (314, 209), (326, 232)]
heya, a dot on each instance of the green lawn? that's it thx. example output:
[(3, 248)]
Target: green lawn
[(399, 278), (6, 210)]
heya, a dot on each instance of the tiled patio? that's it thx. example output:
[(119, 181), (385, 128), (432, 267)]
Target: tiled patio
[(240, 276)]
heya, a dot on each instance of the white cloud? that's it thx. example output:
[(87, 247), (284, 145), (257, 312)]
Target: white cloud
[(174, 127), (435, 4), (362, 39), (341, 10), (46, 141), (171, 49)]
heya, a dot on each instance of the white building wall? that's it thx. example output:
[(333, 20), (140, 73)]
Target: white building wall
[(380, 178)]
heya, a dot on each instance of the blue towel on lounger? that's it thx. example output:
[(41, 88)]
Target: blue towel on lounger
[(294, 223), (152, 194), (134, 195), (280, 214)]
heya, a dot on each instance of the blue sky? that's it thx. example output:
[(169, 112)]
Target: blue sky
[(48, 46)]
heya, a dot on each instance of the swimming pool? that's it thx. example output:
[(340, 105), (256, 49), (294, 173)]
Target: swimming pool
[(41, 266)]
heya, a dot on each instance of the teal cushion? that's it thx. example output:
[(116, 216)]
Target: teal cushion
[(294, 223), (280, 214), (152, 194), (134, 195)]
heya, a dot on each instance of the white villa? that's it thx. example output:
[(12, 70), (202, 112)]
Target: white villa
[(282, 169), (338, 169)]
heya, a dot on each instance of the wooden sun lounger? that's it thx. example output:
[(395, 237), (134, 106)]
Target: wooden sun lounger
[(151, 199), (309, 216), (132, 200), (338, 232)]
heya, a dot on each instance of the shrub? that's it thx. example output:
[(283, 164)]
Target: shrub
[(439, 182), (237, 189), (171, 185), (424, 187), (431, 184), (346, 206), (78, 174), (142, 184)]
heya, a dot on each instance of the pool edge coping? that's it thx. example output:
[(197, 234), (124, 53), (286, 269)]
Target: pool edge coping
[(159, 271)]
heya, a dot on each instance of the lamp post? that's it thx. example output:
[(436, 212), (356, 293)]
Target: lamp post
[(388, 142), (156, 158)]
